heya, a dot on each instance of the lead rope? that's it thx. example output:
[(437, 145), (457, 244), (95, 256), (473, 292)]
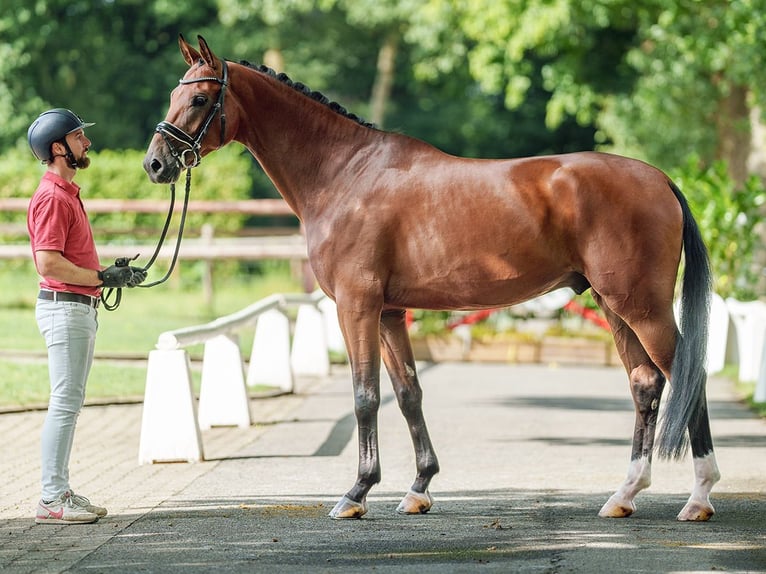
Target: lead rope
[(124, 261)]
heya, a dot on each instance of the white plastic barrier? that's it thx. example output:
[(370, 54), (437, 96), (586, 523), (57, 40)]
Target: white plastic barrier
[(270, 357), (548, 303), (334, 336), (223, 395), (718, 333), (309, 356), (170, 427), (759, 396), (749, 320)]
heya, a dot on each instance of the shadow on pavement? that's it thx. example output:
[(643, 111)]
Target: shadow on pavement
[(502, 531)]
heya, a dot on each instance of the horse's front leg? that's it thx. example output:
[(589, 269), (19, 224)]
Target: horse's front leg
[(361, 331), (400, 363)]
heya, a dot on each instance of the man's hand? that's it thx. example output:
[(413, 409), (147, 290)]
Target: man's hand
[(139, 275), (117, 276)]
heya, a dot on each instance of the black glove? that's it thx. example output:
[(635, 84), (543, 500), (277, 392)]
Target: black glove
[(139, 275), (121, 276)]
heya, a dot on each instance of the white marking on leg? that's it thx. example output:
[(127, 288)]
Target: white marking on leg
[(621, 504), (706, 474)]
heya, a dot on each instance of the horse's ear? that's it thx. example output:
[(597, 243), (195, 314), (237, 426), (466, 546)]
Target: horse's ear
[(207, 54), (190, 54)]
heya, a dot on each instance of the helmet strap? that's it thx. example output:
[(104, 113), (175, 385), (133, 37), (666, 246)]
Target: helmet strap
[(69, 156)]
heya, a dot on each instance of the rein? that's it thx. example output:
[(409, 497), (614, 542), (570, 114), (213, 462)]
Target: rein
[(170, 132), (125, 261)]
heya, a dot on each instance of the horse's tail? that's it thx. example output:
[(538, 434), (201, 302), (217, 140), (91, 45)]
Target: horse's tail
[(686, 399)]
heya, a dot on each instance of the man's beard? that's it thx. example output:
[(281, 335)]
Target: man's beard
[(81, 162)]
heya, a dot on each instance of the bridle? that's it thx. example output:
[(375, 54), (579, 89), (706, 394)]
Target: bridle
[(170, 132), (192, 145)]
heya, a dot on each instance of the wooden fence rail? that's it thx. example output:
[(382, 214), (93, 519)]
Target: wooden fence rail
[(205, 248), (245, 206)]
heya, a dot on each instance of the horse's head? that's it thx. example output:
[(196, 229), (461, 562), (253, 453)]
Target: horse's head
[(189, 131)]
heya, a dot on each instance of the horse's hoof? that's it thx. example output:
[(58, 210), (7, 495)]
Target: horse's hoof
[(415, 503), (695, 511), (617, 508), (347, 508)]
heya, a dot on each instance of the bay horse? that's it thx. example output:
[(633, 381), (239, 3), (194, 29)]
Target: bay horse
[(393, 223)]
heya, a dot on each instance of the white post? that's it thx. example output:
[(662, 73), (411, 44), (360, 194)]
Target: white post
[(750, 322), (718, 335), (309, 354), (169, 430), (759, 396), (335, 342), (223, 397), (270, 357)]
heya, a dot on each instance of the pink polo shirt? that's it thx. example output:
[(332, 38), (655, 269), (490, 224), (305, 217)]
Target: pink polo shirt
[(56, 221)]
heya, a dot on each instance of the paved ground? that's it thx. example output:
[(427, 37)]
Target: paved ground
[(528, 455)]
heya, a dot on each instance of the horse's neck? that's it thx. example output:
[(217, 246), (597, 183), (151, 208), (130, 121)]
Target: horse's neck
[(302, 145)]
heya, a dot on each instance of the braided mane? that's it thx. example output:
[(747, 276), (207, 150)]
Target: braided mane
[(309, 93)]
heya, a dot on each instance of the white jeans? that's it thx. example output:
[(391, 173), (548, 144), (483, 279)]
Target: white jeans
[(69, 330)]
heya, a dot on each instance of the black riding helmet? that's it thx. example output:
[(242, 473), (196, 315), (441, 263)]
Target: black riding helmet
[(50, 127)]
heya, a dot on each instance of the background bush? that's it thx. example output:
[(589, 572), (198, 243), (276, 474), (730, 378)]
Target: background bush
[(729, 218)]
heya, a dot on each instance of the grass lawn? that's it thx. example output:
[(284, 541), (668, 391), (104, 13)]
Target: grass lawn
[(129, 331)]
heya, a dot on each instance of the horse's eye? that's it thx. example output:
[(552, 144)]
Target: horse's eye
[(198, 101)]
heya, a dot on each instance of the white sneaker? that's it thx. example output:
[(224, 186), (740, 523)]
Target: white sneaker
[(83, 502), (63, 510)]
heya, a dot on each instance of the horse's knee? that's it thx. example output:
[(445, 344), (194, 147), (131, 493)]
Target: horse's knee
[(366, 404), (409, 397), (646, 384)]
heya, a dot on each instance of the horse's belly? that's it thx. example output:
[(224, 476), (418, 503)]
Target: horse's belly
[(473, 289)]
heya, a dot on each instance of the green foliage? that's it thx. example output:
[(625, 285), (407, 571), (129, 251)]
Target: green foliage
[(107, 60), (728, 218), (624, 66), (430, 322), (20, 174)]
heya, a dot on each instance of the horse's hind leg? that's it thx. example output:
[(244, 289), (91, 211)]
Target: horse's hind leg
[(646, 384), (706, 474), (647, 365), (400, 363)]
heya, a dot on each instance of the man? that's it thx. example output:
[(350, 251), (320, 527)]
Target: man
[(71, 280)]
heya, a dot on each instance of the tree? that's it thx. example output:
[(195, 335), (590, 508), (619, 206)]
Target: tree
[(108, 61), (375, 78), (660, 78)]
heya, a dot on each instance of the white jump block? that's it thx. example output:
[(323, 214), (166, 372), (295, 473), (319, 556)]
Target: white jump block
[(169, 430), (749, 320), (270, 356), (718, 335), (759, 396), (309, 355), (718, 332), (223, 397), (333, 334)]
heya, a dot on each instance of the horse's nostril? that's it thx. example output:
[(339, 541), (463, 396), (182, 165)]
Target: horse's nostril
[(156, 165)]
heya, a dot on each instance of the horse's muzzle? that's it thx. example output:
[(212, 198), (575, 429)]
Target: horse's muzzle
[(159, 169)]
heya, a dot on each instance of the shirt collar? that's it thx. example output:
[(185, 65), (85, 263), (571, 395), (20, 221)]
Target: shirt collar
[(69, 186)]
